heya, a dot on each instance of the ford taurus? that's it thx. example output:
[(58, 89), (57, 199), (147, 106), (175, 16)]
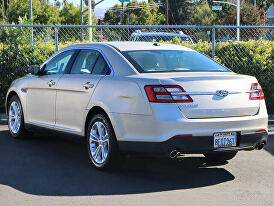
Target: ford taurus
[(140, 97)]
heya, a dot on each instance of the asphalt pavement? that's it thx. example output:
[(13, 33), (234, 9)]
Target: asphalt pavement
[(54, 170)]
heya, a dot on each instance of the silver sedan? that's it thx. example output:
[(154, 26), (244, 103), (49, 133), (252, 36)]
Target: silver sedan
[(137, 97)]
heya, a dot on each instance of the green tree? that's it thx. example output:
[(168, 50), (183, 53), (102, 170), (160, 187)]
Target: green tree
[(262, 4), (71, 14), (43, 11), (180, 11), (203, 15), (112, 16), (250, 15), (146, 16), (3, 10), (141, 16)]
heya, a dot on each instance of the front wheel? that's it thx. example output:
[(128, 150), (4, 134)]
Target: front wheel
[(16, 118), (101, 143), (220, 156)]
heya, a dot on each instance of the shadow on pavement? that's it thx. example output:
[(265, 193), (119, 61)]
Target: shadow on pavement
[(53, 166), (270, 144)]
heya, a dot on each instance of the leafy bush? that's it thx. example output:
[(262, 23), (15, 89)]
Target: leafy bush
[(254, 57), (17, 52)]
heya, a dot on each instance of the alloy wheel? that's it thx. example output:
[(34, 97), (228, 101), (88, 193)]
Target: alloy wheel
[(14, 117), (99, 142)]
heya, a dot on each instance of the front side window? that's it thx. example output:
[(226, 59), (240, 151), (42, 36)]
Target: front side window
[(85, 62), (172, 61), (59, 63)]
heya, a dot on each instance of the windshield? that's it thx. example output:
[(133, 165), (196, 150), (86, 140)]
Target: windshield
[(172, 61)]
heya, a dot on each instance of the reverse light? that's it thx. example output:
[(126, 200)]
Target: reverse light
[(258, 92), (167, 94)]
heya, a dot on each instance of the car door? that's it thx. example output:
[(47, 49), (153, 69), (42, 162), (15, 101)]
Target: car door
[(76, 88), (41, 90)]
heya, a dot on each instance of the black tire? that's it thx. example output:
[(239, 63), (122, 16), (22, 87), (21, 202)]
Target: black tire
[(220, 156), (22, 132), (114, 158)]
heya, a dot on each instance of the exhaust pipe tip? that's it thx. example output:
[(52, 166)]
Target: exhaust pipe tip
[(173, 154), (261, 146)]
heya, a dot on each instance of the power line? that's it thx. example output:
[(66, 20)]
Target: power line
[(136, 7)]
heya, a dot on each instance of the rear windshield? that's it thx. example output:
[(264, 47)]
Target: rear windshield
[(171, 61)]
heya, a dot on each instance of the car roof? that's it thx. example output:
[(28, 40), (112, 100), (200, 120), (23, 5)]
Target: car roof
[(133, 45)]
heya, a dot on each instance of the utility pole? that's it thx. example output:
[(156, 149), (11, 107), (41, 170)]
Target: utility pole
[(90, 12), (82, 20), (90, 20), (238, 19), (238, 6), (31, 16), (123, 13), (167, 21)]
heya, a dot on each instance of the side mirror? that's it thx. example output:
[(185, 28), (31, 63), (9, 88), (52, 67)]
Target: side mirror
[(33, 69)]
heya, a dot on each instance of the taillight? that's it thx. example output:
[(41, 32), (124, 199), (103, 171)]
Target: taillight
[(258, 92), (167, 94), (259, 131)]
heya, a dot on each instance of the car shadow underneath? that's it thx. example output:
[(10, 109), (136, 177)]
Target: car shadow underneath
[(51, 165)]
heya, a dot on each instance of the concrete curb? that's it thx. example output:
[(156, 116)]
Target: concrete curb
[(3, 118)]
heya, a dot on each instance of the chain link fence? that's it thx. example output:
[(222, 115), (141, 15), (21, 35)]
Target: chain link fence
[(252, 54)]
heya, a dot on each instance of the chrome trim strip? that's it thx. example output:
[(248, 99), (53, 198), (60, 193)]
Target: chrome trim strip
[(66, 128), (208, 93), (42, 124)]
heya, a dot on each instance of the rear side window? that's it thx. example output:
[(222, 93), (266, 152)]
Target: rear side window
[(100, 67), (148, 61), (85, 61)]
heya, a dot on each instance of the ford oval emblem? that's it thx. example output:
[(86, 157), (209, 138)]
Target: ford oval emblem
[(222, 93)]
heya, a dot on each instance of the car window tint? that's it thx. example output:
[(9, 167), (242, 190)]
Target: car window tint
[(172, 61), (84, 62), (101, 67), (59, 63)]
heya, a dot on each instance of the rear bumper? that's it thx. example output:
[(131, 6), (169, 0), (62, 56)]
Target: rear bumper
[(192, 145)]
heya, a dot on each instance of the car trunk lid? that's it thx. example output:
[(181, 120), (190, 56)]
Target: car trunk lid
[(215, 94)]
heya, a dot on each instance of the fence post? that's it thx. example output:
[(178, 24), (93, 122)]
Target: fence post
[(56, 38), (213, 42)]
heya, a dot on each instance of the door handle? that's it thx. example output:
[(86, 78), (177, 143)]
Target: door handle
[(88, 85), (51, 83)]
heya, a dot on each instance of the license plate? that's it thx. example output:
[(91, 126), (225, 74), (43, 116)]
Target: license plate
[(225, 139)]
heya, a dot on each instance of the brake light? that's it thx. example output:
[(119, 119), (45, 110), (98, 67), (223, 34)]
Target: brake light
[(259, 131), (258, 92), (184, 135), (167, 94)]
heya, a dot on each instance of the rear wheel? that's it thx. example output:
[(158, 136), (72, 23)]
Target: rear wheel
[(220, 156), (16, 118), (101, 143)]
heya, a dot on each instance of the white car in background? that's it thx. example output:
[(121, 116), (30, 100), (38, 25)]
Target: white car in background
[(140, 97), (159, 36)]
